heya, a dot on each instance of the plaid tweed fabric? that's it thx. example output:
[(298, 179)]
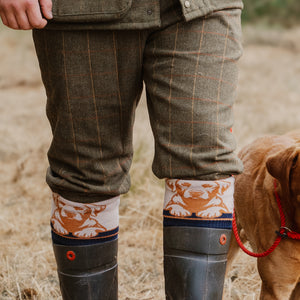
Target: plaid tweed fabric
[(94, 80)]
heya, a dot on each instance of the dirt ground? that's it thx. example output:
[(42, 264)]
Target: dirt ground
[(268, 103)]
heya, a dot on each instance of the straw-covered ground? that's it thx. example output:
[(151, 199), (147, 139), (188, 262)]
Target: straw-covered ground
[(268, 103)]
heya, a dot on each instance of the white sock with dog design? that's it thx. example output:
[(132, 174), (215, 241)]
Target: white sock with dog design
[(198, 203), (75, 223)]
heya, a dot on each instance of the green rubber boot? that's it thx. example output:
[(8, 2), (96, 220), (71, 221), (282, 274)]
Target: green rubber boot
[(88, 272), (195, 262)]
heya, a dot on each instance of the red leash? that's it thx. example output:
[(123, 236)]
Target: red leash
[(283, 232)]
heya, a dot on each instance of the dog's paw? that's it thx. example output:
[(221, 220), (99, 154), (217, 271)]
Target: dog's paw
[(212, 212), (58, 227), (178, 211), (87, 232)]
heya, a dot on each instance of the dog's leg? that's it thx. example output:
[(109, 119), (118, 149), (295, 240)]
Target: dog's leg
[(268, 293), (296, 293), (277, 282), (233, 250), (234, 247)]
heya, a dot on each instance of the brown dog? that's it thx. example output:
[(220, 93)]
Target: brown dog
[(265, 160)]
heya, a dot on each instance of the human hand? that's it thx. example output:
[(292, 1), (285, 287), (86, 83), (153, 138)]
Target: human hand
[(25, 14)]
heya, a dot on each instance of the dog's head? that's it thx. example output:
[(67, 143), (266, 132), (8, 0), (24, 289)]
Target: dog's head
[(285, 167)]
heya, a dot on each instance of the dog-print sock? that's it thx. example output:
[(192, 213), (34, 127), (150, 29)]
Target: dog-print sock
[(199, 203), (75, 223)]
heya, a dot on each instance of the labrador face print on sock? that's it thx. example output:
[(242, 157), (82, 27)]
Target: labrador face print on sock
[(195, 200), (84, 221), (80, 220), (204, 200)]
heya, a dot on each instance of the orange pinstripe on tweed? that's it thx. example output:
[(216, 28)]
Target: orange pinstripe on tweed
[(94, 80)]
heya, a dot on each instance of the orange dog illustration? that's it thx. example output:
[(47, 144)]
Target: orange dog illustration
[(206, 201), (81, 220)]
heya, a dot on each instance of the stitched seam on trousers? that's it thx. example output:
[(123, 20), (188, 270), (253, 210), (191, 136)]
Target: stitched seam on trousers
[(94, 103), (170, 95), (219, 88), (69, 104), (193, 99)]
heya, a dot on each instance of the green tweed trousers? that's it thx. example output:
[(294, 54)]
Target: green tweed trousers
[(94, 80)]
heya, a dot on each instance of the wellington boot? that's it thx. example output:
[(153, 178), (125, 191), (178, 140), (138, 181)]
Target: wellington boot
[(88, 272), (195, 262)]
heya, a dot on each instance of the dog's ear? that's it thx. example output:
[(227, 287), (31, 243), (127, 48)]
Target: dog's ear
[(280, 165)]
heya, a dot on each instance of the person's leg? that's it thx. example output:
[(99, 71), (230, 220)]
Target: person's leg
[(191, 81), (85, 238), (93, 83)]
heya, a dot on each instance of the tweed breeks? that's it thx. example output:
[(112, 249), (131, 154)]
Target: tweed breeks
[(94, 80)]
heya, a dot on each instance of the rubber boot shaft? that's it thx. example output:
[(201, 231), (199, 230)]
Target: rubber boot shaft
[(88, 272), (195, 262)]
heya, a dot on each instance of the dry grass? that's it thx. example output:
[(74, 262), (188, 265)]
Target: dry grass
[(268, 103)]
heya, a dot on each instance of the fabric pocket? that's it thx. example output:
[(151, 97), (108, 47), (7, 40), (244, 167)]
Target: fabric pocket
[(89, 10)]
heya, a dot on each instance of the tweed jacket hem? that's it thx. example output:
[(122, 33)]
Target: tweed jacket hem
[(126, 15)]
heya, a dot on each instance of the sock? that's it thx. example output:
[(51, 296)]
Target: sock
[(198, 203), (74, 223)]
